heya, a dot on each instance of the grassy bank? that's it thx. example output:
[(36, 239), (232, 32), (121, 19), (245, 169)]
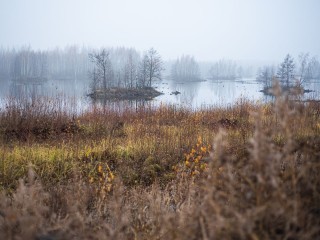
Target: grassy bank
[(245, 172)]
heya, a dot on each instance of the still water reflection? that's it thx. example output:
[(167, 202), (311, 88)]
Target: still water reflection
[(207, 93), (192, 95)]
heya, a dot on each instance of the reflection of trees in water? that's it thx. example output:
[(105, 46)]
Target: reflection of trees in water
[(4, 89), (68, 88), (26, 92), (121, 106), (71, 94), (223, 89), (188, 90)]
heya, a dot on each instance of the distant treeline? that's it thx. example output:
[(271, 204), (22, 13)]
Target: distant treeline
[(70, 63), (225, 70), (185, 68)]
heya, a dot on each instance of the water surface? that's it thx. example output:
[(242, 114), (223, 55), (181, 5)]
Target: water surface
[(193, 95)]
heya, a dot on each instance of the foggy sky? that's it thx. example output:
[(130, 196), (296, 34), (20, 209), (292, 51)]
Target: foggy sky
[(207, 29)]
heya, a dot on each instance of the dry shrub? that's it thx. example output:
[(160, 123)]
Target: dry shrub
[(22, 215), (40, 119)]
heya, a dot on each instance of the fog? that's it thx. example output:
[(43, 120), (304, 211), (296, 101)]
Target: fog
[(188, 52), (247, 30)]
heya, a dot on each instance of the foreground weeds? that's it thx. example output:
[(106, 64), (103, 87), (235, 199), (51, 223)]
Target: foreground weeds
[(246, 172)]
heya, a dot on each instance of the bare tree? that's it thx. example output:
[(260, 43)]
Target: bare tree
[(150, 67), (143, 71), (308, 67), (130, 71), (102, 68), (266, 75), (95, 81), (304, 71)]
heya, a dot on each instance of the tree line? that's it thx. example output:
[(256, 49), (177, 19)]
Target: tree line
[(26, 64), (128, 68), (225, 70), (186, 68)]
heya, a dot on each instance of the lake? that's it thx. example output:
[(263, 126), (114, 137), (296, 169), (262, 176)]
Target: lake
[(193, 95), (208, 93)]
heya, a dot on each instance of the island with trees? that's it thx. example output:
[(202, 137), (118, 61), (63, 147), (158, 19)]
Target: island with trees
[(290, 75), (126, 77)]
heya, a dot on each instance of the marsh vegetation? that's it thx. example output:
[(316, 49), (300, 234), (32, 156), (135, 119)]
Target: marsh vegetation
[(250, 171)]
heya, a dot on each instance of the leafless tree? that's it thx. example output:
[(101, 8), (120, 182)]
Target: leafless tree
[(95, 81), (266, 75), (130, 70), (151, 67), (304, 71), (143, 72), (102, 68), (309, 68)]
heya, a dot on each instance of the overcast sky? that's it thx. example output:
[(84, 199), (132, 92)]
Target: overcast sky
[(207, 29)]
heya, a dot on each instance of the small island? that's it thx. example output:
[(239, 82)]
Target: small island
[(145, 93), (291, 90), (287, 79)]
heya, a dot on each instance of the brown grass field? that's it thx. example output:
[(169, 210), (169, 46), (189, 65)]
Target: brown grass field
[(250, 171)]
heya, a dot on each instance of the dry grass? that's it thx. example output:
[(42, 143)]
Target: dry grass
[(247, 172)]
